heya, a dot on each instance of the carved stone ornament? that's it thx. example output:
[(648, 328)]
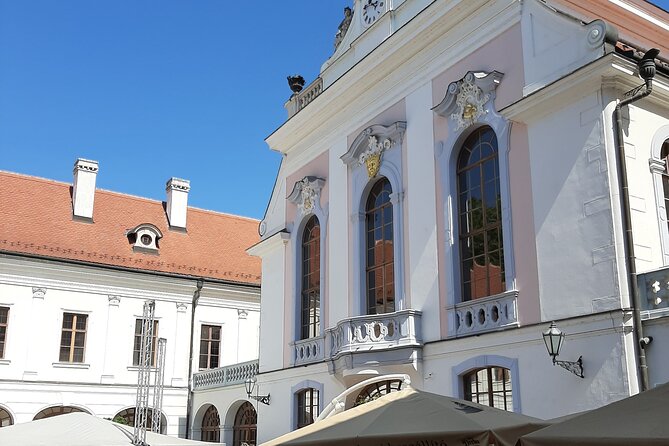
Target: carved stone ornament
[(307, 194), (469, 99), (369, 146), (39, 292), (114, 300), (242, 314)]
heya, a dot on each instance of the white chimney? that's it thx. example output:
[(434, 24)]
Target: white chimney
[(177, 202), (83, 191)]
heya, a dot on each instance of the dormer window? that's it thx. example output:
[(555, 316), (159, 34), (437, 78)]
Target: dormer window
[(144, 238)]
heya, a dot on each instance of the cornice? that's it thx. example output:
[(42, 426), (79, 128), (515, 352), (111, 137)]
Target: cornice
[(609, 71), (269, 244), (403, 62)]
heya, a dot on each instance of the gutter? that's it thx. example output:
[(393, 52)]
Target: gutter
[(647, 71), (189, 403)]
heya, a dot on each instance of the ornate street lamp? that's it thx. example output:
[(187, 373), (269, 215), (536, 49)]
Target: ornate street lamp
[(250, 385), (553, 338)]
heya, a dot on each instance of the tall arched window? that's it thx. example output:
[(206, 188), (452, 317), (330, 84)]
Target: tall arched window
[(311, 279), (664, 154), (244, 430), (490, 386), (380, 253), (480, 217), (307, 406), (211, 426)]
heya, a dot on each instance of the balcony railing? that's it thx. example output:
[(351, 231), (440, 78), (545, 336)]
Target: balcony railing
[(300, 100), (309, 350), (486, 314), (225, 376), (375, 332), (654, 292)]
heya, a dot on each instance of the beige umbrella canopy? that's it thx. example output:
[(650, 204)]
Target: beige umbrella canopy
[(80, 429), (642, 419), (414, 417)]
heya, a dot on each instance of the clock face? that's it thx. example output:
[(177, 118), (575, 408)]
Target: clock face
[(371, 10)]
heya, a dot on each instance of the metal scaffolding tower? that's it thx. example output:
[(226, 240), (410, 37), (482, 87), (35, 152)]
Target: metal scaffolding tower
[(144, 374), (158, 385)]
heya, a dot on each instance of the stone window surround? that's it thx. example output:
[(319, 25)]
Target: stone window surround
[(302, 385), (657, 167)]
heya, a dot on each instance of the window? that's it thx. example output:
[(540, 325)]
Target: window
[(311, 279), (377, 390), (210, 426), (664, 154), (137, 345), (5, 418), (244, 429), (380, 251), (73, 337), (57, 410), (4, 319), (307, 406), (480, 217), (127, 417), (210, 346), (490, 386)]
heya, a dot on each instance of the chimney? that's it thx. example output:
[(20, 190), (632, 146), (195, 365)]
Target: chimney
[(177, 202), (83, 190)]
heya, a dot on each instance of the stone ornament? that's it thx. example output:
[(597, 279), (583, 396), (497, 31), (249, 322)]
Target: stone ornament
[(372, 156), (468, 100), (307, 194), (39, 292), (114, 300), (242, 314)]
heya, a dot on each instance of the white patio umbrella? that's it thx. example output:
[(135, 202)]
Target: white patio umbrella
[(414, 417), (641, 419), (80, 429)]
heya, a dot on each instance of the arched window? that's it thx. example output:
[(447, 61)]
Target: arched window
[(311, 280), (5, 418), (664, 154), (380, 253), (127, 417), (307, 406), (57, 410), (480, 217), (211, 426), (244, 430), (377, 390), (490, 386)]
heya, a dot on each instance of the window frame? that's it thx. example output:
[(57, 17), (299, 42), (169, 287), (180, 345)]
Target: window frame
[(658, 168), (482, 361), (135, 340), (73, 330), (310, 328), (210, 341), (212, 432), (490, 392), (4, 329), (302, 385), (311, 408)]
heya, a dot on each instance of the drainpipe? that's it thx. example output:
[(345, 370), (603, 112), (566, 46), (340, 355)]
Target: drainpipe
[(189, 403), (647, 72)]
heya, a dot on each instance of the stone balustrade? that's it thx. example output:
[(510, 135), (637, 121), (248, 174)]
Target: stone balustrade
[(310, 93), (225, 376), (309, 350), (485, 314)]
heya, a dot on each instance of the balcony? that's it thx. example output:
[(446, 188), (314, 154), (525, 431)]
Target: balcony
[(309, 350), (654, 292), (225, 376), (483, 315)]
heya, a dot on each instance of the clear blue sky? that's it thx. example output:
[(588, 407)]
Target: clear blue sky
[(157, 88)]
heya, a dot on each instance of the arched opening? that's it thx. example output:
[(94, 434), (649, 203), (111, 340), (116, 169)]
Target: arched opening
[(54, 411), (244, 430), (490, 386), (377, 390), (211, 423), (5, 418), (127, 417), (379, 255)]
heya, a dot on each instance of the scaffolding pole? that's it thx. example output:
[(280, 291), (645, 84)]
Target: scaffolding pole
[(144, 374), (158, 385)]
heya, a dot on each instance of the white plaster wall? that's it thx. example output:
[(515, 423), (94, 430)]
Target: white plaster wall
[(272, 342)]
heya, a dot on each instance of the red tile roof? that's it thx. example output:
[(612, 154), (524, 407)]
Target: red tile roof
[(36, 218)]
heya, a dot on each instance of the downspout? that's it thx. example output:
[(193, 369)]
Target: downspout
[(647, 72), (189, 403)]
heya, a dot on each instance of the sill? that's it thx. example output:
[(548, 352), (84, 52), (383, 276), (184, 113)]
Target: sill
[(5, 361), (71, 365), (135, 368)]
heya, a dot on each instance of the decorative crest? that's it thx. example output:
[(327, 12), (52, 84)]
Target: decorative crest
[(368, 147), (466, 100), (372, 156), (307, 194)]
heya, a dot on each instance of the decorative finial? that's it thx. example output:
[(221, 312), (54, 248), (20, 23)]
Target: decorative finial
[(296, 83)]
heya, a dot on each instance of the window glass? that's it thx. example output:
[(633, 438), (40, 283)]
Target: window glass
[(4, 321), (377, 390), (211, 426), (307, 407), (5, 418), (73, 337), (311, 280), (379, 249), (210, 346), (490, 386), (244, 429), (137, 343), (480, 217)]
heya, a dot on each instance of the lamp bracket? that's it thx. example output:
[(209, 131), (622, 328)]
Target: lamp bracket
[(575, 367), (261, 398)]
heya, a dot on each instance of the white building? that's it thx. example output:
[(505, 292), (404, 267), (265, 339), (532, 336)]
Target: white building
[(449, 186), (76, 266)]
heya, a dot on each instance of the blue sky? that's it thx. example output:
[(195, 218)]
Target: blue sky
[(157, 88)]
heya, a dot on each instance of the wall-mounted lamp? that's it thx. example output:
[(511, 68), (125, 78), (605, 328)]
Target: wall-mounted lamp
[(553, 338), (250, 385)]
